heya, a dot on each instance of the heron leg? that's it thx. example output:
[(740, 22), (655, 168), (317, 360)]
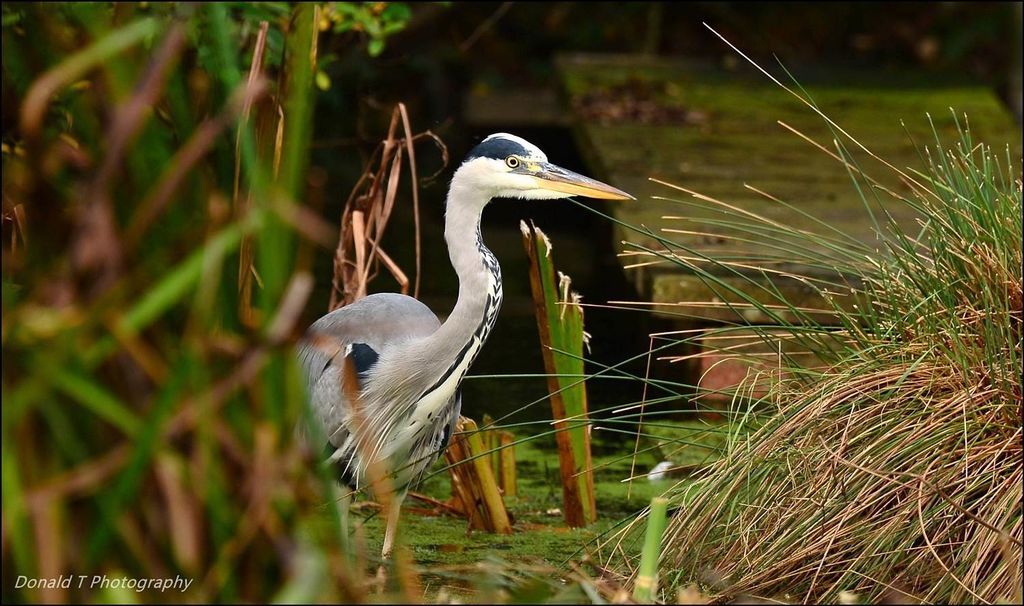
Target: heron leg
[(392, 523), (343, 501)]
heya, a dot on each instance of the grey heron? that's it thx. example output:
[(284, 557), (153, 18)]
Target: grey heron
[(407, 363)]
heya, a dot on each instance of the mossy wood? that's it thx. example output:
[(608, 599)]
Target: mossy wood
[(713, 129), (473, 481), (560, 324), (507, 476), (489, 437)]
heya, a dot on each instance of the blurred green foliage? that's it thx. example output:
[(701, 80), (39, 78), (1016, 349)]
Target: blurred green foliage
[(371, 22), (377, 20), (148, 426)]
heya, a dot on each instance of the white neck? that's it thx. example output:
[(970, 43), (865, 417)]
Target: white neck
[(480, 292), (421, 376)]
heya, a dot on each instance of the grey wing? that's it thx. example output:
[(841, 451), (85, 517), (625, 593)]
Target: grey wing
[(360, 331)]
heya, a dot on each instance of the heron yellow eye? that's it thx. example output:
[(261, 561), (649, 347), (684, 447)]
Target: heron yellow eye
[(512, 162)]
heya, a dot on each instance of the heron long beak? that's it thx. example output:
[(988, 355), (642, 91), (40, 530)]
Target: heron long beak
[(556, 178)]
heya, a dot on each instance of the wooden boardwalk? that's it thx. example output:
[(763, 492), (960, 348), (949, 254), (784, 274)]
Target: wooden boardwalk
[(713, 130)]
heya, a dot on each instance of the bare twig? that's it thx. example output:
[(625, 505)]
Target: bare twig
[(484, 27), (415, 192), (240, 205), (368, 210)]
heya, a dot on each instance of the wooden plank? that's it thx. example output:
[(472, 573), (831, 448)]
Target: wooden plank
[(689, 297)]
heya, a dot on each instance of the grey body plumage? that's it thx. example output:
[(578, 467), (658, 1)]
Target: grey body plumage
[(364, 332), (407, 363)]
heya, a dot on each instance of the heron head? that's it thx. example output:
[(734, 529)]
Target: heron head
[(507, 166)]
